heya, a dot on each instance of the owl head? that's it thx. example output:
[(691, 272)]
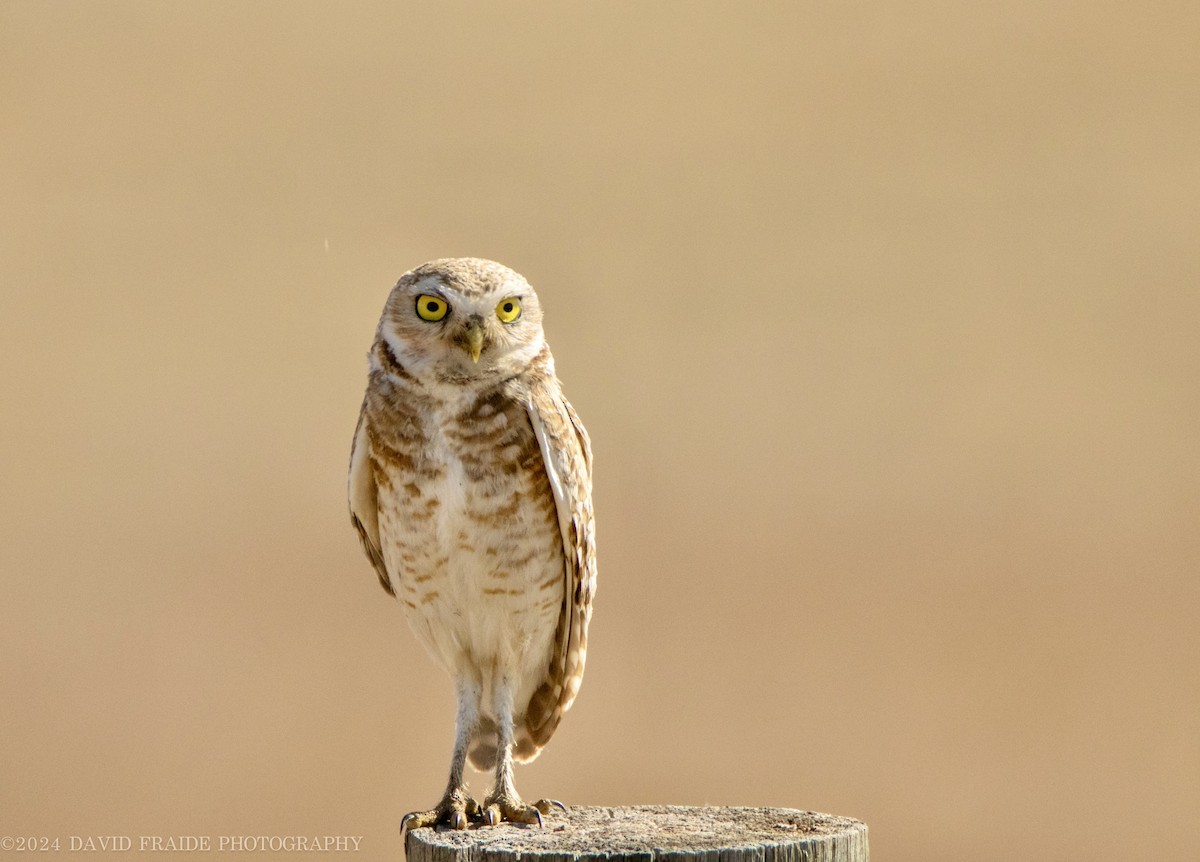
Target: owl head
[(458, 319)]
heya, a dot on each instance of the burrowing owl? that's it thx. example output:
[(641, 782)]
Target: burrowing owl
[(471, 488)]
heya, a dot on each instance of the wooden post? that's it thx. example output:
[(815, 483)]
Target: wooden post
[(653, 834)]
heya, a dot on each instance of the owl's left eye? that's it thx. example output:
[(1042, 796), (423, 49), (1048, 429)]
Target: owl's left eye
[(431, 308), (508, 310)]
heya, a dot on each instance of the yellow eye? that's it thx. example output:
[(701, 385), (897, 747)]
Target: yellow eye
[(431, 308), (509, 310)]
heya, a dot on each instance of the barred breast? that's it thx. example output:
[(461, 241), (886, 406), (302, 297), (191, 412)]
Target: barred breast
[(469, 532)]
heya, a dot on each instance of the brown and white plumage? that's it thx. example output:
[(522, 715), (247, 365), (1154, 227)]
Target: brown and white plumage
[(470, 487)]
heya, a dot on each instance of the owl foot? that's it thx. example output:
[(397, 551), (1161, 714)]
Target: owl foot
[(456, 810), (506, 808)]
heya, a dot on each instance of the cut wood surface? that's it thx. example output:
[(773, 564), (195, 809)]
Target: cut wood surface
[(647, 833)]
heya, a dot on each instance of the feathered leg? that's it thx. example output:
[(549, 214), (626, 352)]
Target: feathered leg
[(504, 803), (457, 808)]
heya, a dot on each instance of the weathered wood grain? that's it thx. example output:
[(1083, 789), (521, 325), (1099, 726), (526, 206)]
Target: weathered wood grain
[(654, 834)]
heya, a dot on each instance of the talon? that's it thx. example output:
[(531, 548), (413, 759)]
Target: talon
[(453, 811), (504, 808), (415, 820), (544, 806)]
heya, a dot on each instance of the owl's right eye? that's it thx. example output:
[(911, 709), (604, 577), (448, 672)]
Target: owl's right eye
[(431, 308)]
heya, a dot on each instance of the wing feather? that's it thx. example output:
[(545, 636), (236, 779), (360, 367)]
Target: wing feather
[(364, 505), (567, 455)]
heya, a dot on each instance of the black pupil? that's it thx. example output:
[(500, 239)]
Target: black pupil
[(508, 306), (431, 307)]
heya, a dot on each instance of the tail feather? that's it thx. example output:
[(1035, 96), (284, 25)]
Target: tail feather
[(482, 752)]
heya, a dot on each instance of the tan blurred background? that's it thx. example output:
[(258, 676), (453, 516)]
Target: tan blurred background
[(883, 319)]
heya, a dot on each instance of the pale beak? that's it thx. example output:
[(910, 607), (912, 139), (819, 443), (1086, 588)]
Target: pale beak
[(474, 340)]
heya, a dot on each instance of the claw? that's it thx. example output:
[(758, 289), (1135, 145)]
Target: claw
[(501, 809), (409, 823), (544, 806), (455, 811)]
